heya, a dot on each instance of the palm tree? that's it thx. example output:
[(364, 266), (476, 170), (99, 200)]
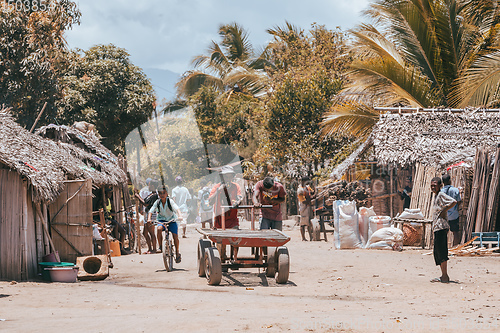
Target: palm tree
[(422, 53), (230, 68)]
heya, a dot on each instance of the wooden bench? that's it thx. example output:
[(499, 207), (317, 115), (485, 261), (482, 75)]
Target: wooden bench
[(488, 238)]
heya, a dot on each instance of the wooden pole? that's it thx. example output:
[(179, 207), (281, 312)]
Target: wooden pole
[(38, 118), (138, 247), (391, 198)]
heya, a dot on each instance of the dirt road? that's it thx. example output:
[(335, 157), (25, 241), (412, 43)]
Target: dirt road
[(329, 291)]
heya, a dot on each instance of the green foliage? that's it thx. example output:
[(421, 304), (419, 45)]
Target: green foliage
[(308, 75), (32, 52), (235, 121), (104, 88)]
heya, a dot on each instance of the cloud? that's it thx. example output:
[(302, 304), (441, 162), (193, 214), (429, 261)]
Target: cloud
[(167, 34)]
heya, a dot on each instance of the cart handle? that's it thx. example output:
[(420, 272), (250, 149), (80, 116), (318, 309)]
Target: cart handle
[(248, 206)]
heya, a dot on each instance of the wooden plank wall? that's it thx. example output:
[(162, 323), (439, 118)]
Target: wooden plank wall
[(74, 221), (18, 247)]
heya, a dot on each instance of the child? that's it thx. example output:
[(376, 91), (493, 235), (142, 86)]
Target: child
[(442, 203)]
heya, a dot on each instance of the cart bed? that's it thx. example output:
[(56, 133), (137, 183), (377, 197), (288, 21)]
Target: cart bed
[(246, 238)]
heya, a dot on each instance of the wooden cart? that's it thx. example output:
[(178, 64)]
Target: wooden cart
[(267, 251)]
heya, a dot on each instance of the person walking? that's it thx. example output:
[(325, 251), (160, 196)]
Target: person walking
[(181, 195), (441, 204), (453, 214), (206, 209), (269, 192), (305, 194)]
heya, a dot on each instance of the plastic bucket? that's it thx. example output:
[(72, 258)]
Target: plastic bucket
[(114, 246), (51, 257)]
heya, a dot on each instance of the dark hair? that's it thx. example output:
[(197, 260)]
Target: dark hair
[(268, 182), (162, 188), (437, 180), (305, 178), (446, 179)]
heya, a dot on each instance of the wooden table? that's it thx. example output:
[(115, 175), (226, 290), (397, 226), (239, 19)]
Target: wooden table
[(426, 229)]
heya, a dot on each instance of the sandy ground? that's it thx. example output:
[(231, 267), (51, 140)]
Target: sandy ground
[(328, 291)]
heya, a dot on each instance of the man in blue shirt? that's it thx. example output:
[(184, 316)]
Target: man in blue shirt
[(453, 214)]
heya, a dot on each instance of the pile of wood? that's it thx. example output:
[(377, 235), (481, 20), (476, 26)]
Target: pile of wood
[(469, 250), (343, 190), (483, 204)]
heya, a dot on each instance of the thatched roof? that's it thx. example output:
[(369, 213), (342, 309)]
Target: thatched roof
[(101, 162), (46, 164), (434, 139), (51, 164)]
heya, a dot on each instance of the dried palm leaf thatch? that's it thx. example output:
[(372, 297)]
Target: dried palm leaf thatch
[(43, 162), (433, 139), (101, 164), (46, 164)]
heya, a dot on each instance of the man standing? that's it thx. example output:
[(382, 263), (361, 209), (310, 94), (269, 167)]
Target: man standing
[(305, 194), (148, 193), (226, 193), (453, 215), (181, 195), (206, 209), (269, 192), (442, 203), (405, 194)]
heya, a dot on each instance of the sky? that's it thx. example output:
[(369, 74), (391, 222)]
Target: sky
[(168, 34)]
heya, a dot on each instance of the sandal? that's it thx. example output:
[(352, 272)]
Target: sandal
[(438, 279), (178, 258)]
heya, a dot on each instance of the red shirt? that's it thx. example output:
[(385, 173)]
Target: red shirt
[(277, 191), (231, 215)]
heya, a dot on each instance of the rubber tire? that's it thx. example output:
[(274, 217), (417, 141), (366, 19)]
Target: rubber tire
[(202, 245), (167, 253), (213, 266), (316, 230), (283, 266), (272, 263)]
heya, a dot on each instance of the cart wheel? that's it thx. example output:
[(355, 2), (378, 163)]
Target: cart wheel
[(283, 265), (316, 228), (271, 262), (167, 253), (202, 245), (213, 266)]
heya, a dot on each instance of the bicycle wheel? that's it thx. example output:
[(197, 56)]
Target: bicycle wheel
[(167, 253)]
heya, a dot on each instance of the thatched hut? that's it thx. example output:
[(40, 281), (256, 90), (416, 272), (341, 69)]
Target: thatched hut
[(32, 175), (106, 170), (424, 145), (46, 195)]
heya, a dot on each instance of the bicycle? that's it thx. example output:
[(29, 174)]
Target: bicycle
[(167, 247)]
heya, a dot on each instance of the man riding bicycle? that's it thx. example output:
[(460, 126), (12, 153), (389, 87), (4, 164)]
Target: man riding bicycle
[(168, 212)]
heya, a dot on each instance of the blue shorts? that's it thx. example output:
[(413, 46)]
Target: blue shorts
[(172, 226), (270, 224)]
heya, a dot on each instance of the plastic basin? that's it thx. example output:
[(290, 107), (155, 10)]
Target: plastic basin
[(63, 274)]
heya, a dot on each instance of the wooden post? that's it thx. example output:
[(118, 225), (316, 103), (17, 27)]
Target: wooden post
[(391, 198), (137, 230)]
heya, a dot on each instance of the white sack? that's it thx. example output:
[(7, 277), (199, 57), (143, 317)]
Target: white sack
[(414, 214), (346, 225), (392, 236), (364, 222)]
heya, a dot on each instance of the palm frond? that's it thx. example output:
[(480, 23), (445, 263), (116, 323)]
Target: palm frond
[(351, 118), (192, 81), (480, 84), (235, 40)]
